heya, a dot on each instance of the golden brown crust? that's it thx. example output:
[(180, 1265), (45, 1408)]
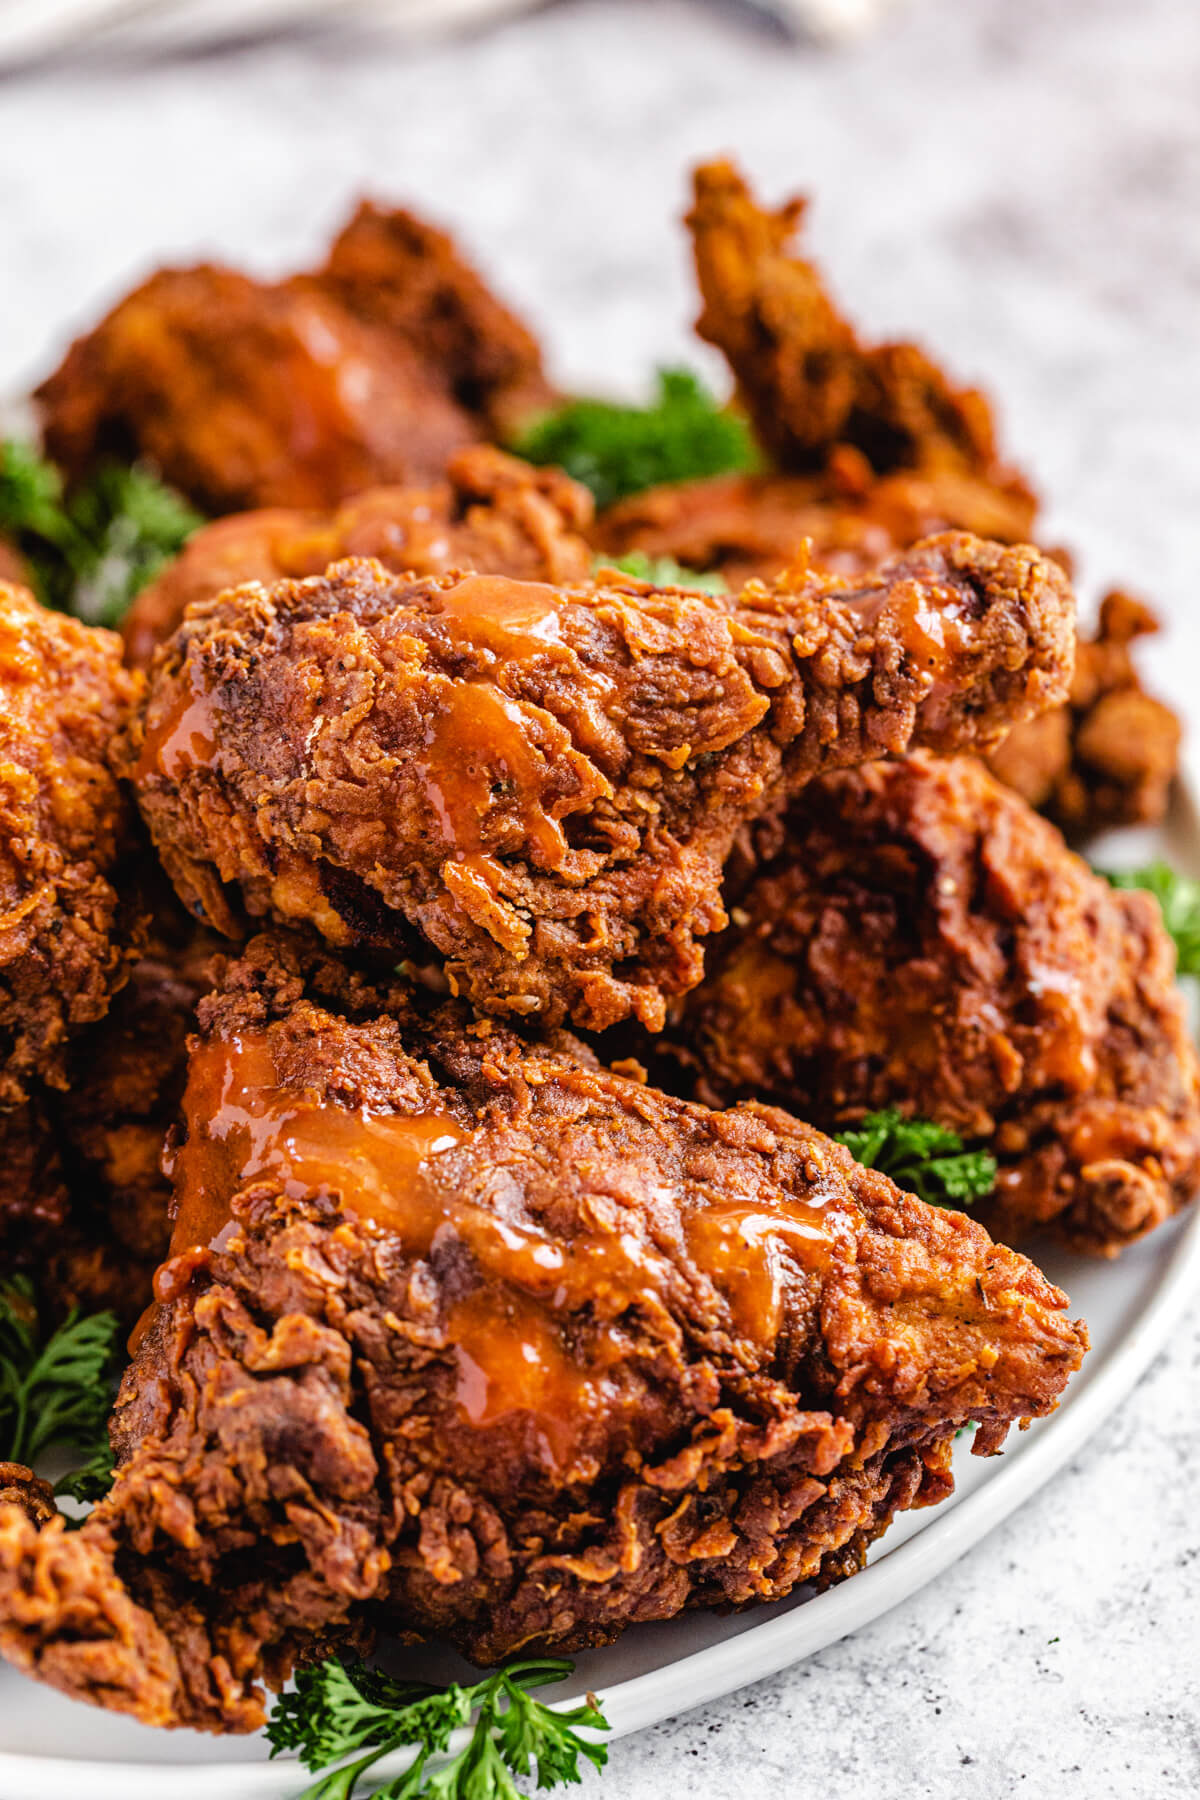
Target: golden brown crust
[(64, 825), (808, 381), (1109, 756), (923, 940), (394, 269), (244, 395), (370, 372), (83, 1200), (544, 783), (19, 1486), (845, 519), (492, 513), (546, 1392)]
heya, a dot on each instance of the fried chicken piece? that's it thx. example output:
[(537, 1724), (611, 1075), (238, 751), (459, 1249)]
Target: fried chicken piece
[(544, 783), (752, 527), (83, 1199), (393, 269), (476, 1338), (923, 940), (1109, 756), (369, 372), (493, 513), (244, 395), (807, 380), (64, 825), (20, 1487)]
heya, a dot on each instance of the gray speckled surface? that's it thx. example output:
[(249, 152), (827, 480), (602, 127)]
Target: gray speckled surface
[(1017, 182)]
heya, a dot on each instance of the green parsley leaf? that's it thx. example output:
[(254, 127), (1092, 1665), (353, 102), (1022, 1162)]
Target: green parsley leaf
[(922, 1157), (1179, 898), (617, 450), (56, 1389), (90, 552), (664, 571), (338, 1710)]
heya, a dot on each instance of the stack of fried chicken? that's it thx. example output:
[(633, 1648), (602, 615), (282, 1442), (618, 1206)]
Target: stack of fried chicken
[(450, 1321)]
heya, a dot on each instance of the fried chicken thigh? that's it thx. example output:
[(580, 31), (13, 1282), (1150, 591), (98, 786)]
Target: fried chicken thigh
[(371, 371), (64, 825), (922, 940), (493, 513), (544, 783), (476, 1338)]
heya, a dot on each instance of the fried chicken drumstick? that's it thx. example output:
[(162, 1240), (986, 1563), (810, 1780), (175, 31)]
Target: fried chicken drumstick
[(544, 783), (924, 940), (475, 1338)]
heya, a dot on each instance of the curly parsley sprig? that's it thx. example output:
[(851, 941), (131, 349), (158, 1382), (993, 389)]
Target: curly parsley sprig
[(1179, 897), (91, 551), (683, 435), (337, 1710), (56, 1389), (922, 1157)]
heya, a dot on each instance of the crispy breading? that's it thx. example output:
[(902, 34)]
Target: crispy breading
[(845, 519), (394, 269), (544, 783), (371, 371), (808, 381), (244, 395), (919, 938), (1109, 756), (492, 513), (64, 825), (600, 1355), (83, 1200)]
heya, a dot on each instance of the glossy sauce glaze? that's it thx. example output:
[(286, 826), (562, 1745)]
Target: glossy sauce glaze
[(490, 782), (184, 738), (540, 1322)]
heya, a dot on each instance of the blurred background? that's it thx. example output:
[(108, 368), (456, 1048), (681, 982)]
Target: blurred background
[(1012, 182)]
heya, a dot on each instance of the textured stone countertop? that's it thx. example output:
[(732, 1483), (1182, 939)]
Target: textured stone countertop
[(1015, 181)]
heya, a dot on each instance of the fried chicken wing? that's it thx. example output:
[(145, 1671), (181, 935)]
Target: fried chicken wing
[(543, 783), (471, 1337), (369, 372), (808, 381), (64, 825), (493, 514), (923, 940), (1109, 756)]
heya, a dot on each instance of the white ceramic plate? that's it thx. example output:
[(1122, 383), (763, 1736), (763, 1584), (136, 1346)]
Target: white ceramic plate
[(51, 1748)]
